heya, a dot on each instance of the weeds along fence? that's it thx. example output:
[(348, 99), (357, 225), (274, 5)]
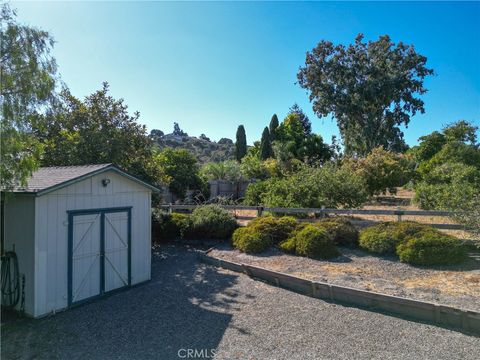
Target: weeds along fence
[(243, 212)]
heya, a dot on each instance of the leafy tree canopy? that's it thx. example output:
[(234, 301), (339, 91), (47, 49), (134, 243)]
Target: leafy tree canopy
[(252, 167), (370, 88), (383, 170), (97, 130), (449, 168), (314, 187), (180, 169), (461, 131), (458, 132), (28, 79)]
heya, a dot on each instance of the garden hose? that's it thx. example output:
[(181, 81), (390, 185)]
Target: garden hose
[(10, 280)]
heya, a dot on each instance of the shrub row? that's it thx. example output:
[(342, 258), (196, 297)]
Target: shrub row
[(312, 240), (414, 243), (205, 222)]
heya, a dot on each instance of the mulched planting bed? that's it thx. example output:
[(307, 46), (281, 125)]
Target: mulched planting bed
[(457, 286)]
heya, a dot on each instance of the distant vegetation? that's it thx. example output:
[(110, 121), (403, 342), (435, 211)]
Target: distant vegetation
[(201, 147)]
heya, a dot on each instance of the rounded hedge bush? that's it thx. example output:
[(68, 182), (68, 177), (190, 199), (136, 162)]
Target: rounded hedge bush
[(384, 238), (277, 228), (431, 248), (288, 245), (314, 242), (249, 240), (211, 222), (166, 226), (340, 230)]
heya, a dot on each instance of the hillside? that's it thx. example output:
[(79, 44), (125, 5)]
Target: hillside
[(203, 148)]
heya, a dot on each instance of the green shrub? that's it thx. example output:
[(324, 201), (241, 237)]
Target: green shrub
[(211, 222), (447, 186), (249, 240), (276, 228), (313, 187), (254, 192), (288, 245), (181, 223), (341, 231), (431, 248), (166, 226), (313, 242), (385, 237), (383, 170)]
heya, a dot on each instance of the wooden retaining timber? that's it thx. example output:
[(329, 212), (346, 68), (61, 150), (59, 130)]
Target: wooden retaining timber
[(464, 320), (319, 211)]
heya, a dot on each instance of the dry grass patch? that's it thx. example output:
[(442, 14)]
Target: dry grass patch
[(450, 283)]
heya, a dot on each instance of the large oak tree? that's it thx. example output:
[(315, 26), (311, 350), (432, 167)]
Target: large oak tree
[(370, 88)]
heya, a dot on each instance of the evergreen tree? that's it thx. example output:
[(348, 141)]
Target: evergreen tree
[(265, 145), (298, 112), (240, 144), (273, 127)]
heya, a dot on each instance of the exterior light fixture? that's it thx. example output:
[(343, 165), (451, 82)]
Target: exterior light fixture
[(105, 182)]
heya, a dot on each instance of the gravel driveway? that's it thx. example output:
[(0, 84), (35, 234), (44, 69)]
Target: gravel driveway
[(189, 305)]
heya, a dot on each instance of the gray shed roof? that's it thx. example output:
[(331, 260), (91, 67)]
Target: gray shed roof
[(48, 179)]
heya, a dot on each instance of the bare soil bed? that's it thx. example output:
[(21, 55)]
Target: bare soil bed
[(457, 286)]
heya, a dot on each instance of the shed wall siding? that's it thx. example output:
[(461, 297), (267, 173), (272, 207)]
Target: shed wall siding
[(19, 236), (52, 232)]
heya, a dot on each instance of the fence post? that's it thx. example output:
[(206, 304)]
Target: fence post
[(399, 214), (259, 211), (170, 210)]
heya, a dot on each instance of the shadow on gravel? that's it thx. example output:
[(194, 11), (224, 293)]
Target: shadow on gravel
[(182, 307)]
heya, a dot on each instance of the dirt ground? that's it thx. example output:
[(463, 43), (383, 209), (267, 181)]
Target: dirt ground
[(457, 286)]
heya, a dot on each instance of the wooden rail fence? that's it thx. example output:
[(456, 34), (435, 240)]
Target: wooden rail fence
[(259, 210)]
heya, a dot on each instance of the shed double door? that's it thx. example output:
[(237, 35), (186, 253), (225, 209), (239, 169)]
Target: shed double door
[(99, 252)]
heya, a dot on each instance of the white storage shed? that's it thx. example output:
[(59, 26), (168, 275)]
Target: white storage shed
[(79, 232)]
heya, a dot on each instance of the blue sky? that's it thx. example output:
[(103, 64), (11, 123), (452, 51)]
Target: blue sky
[(212, 66)]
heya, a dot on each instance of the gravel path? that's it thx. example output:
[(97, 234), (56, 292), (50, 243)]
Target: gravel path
[(457, 286), (189, 305)]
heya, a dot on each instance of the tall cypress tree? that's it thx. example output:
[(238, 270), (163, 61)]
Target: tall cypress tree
[(240, 144), (265, 145), (273, 127)]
